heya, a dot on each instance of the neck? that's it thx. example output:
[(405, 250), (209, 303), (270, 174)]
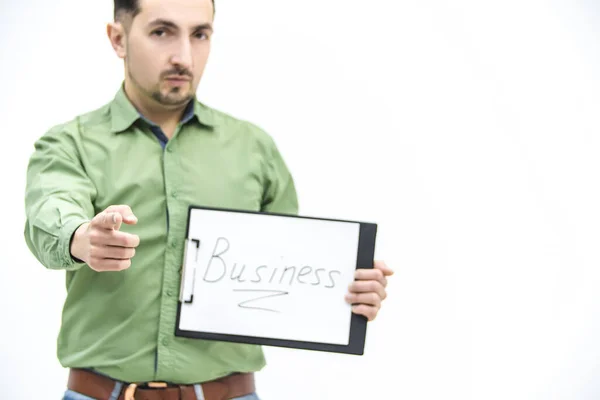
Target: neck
[(165, 117)]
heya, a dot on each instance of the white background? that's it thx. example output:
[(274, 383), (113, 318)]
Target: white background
[(467, 129)]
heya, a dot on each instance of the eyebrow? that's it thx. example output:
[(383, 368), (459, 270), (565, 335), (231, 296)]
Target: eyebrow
[(171, 24)]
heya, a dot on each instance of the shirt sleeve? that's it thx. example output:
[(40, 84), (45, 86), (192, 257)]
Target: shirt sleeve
[(58, 199), (280, 191)]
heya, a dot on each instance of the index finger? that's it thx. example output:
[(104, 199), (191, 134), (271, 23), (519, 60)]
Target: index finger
[(370, 274), (122, 239)]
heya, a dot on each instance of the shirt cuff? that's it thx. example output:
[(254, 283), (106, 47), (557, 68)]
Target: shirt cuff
[(64, 251)]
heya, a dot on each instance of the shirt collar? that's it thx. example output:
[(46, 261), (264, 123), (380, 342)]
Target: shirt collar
[(124, 114)]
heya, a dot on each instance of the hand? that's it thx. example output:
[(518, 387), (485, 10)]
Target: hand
[(368, 290), (101, 245)]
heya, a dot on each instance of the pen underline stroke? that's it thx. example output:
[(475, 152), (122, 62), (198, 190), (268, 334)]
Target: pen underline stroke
[(275, 293)]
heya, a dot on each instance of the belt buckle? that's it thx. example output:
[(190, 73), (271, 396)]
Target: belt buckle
[(130, 391), (155, 385)]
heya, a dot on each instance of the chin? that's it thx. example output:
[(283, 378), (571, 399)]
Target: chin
[(175, 98)]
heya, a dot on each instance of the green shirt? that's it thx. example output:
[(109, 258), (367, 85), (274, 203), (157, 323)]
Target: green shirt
[(122, 324)]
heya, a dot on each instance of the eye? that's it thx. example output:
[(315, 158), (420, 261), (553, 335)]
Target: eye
[(201, 35), (159, 32)]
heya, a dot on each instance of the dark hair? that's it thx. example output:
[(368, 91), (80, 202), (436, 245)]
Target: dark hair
[(131, 7)]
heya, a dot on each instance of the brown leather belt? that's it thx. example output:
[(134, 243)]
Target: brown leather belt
[(100, 387)]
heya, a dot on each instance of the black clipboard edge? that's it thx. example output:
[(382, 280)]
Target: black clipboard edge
[(358, 323), (364, 259), (243, 211), (352, 348)]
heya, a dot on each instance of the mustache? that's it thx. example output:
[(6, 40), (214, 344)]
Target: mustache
[(177, 72)]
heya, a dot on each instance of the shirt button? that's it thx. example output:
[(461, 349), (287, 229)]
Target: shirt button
[(173, 243), (165, 341), (174, 194), (170, 293), (169, 149)]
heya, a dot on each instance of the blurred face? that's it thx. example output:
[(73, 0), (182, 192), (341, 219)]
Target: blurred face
[(165, 47)]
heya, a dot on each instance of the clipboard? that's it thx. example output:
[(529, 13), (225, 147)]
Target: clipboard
[(272, 279)]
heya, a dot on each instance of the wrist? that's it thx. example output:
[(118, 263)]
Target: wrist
[(78, 243)]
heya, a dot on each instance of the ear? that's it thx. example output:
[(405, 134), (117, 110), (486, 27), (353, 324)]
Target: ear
[(116, 35)]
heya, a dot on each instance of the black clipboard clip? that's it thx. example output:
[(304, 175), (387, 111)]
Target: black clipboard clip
[(191, 299)]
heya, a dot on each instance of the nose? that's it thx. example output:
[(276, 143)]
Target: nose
[(182, 57)]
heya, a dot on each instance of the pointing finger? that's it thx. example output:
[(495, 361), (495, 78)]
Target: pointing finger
[(107, 237)]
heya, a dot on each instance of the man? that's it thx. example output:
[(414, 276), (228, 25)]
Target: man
[(107, 198)]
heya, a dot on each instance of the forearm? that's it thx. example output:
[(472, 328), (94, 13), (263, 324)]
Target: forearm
[(52, 247), (58, 199)]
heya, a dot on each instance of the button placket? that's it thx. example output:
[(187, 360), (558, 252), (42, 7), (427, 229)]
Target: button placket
[(164, 353)]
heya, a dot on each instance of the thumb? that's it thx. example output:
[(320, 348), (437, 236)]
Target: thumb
[(117, 220), (125, 212), (110, 220), (387, 271)]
